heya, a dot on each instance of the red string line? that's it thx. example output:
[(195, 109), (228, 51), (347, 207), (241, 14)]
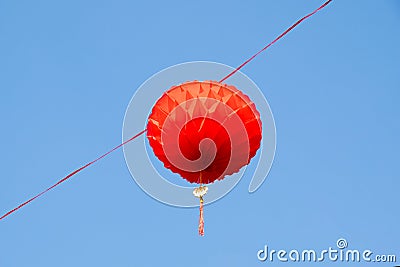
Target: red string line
[(71, 174), (275, 40), (142, 132)]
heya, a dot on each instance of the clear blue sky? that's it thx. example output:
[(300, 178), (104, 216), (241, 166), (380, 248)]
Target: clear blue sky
[(69, 68)]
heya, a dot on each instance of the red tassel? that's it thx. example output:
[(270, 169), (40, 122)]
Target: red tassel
[(201, 219)]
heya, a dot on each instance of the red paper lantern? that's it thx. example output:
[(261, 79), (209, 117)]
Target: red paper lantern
[(204, 131)]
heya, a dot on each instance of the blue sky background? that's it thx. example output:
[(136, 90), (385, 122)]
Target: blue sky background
[(69, 68)]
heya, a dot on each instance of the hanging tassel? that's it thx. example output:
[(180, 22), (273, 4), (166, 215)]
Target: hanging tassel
[(200, 192), (201, 219)]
